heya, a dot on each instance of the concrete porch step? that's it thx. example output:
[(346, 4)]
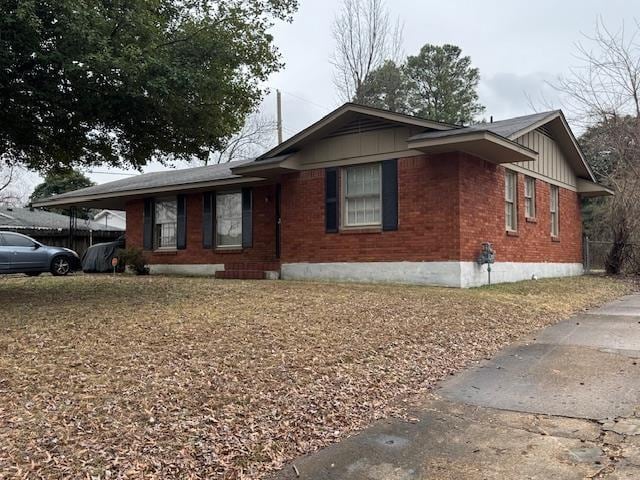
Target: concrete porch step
[(265, 266)]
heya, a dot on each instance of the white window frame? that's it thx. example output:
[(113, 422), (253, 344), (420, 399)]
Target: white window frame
[(554, 209), (511, 201), (345, 197), (217, 237), (158, 234), (529, 197)]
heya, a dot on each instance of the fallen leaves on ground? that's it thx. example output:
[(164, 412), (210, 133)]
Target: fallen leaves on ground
[(156, 377)]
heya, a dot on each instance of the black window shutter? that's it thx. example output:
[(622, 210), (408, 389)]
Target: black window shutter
[(331, 200), (147, 224), (207, 220), (181, 236), (247, 219), (390, 195)]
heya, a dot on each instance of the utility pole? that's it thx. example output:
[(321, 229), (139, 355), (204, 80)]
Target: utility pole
[(279, 115)]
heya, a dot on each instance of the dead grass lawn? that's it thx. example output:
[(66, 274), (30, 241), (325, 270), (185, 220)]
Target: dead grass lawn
[(151, 377)]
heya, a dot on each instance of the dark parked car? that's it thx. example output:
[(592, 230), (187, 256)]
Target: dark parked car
[(22, 254)]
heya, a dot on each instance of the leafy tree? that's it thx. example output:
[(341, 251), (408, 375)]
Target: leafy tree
[(437, 84), (121, 82), (61, 181), (442, 84), (387, 88)]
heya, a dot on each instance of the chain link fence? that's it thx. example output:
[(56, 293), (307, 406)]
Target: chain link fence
[(596, 252)]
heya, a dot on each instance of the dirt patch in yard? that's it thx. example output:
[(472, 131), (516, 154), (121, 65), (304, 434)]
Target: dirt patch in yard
[(196, 378)]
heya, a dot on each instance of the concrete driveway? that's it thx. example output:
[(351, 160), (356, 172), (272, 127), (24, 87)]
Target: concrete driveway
[(563, 404)]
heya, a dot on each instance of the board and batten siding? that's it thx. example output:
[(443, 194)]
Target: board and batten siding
[(362, 144), (551, 163)]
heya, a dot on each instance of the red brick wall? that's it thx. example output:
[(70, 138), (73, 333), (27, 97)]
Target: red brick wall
[(482, 218), (263, 249), (447, 205), (427, 225)]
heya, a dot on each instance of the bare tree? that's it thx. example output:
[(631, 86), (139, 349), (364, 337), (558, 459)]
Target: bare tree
[(10, 191), (606, 84), (257, 135), (12, 188), (365, 38), (6, 177), (603, 94)]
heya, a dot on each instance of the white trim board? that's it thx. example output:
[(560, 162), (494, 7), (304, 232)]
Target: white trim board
[(449, 274)]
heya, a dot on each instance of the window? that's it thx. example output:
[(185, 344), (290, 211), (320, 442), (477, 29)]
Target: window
[(166, 223), (14, 240), (530, 197), (555, 214), (510, 201), (362, 195), (229, 219)]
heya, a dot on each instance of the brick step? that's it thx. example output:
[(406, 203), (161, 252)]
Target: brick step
[(241, 274), (265, 266)]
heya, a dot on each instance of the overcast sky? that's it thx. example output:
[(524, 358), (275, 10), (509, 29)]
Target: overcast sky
[(517, 46)]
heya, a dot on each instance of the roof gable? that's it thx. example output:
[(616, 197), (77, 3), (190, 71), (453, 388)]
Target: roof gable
[(556, 126), (514, 128), (351, 118)]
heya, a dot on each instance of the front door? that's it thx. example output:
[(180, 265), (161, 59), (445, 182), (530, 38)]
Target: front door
[(278, 221)]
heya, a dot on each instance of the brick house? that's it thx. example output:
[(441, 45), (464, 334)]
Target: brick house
[(369, 195)]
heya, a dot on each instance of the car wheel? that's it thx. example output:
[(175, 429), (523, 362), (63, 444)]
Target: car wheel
[(60, 266), (33, 274)]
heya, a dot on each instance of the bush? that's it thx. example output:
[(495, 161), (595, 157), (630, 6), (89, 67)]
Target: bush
[(133, 258)]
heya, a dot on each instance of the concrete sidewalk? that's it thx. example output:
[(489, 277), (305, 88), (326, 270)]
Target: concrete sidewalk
[(563, 404)]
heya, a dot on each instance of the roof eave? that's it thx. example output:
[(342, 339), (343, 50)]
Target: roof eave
[(483, 144), (268, 167), (115, 200), (589, 189), (267, 171)]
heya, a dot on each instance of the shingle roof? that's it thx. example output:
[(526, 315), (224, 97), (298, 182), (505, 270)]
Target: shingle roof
[(505, 128), (12, 217), (169, 179), (160, 179)]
